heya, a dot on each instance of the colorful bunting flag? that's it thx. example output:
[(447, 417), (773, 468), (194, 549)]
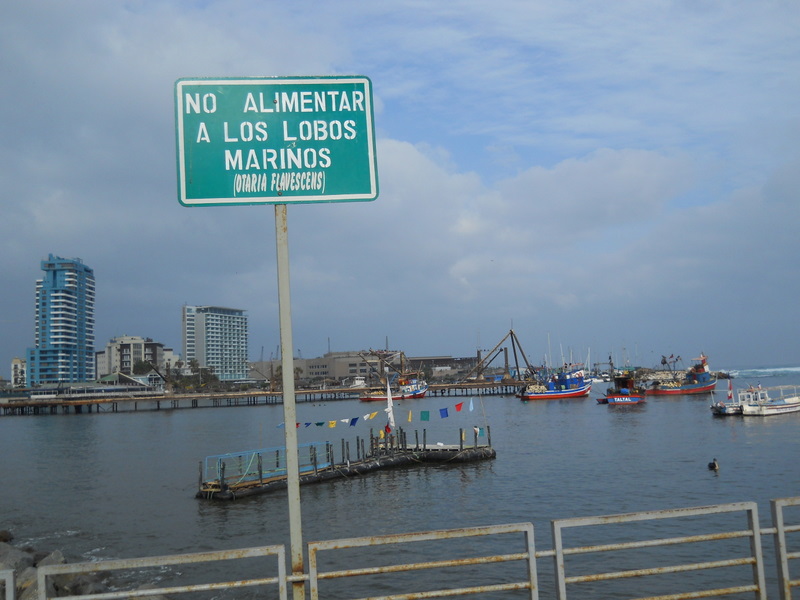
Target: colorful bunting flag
[(424, 415)]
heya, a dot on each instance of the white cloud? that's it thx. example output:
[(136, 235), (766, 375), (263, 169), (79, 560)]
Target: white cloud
[(565, 166)]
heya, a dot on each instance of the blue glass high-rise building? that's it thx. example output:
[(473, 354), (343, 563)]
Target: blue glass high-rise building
[(64, 335)]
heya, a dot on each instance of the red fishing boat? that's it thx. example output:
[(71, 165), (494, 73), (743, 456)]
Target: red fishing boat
[(696, 380)]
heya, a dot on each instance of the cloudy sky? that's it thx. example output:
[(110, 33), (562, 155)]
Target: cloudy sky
[(621, 177)]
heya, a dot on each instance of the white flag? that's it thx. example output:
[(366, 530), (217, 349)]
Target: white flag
[(389, 406)]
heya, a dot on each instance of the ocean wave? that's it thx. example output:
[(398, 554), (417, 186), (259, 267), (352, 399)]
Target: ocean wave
[(765, 372)]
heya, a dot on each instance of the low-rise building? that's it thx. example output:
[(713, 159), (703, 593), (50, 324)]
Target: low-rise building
[(19, 374), (344, 367), (122, 353)]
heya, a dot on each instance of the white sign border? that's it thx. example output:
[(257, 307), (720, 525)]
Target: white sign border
[(278, 80)]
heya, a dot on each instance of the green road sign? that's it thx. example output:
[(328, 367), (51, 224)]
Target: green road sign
[(281, 140)]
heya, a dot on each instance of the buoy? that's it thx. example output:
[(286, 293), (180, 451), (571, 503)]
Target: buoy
[(713, 465)]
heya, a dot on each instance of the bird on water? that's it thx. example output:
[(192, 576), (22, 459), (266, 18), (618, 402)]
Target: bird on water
[(713, 465)]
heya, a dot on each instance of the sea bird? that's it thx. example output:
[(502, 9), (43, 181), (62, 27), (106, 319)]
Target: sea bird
[(713, 465)]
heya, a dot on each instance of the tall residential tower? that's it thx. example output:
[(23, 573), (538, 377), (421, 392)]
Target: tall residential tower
[(216, 337), (64, 323)]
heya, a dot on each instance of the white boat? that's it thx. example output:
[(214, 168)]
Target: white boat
[(764, 402), (726, 408), (358, 382)]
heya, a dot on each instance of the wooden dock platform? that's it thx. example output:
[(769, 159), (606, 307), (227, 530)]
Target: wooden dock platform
[(237, 475)]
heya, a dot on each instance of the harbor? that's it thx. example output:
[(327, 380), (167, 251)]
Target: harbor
[(135, 478)]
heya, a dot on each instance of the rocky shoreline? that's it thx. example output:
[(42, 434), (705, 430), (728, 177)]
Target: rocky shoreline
[(25, 563)]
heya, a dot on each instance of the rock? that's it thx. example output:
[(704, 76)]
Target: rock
[(26, 568), (79, 584), (32, 591), (54, 558), (148, 586), (6, 536), (11, 558), (26, 579)]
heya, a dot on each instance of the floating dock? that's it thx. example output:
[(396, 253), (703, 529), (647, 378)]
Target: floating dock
[(236, 475)]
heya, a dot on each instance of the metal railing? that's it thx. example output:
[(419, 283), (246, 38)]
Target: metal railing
[(10, 584), (782, 553), (751, 533), (265, 464), (750, 563), (172, 559), (528, 555)]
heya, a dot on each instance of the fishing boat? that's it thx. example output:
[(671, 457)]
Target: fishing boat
[(409, 387), (696, 380), (405, 383), (625, 389), (727, 408), (764, 402), (568, 382)]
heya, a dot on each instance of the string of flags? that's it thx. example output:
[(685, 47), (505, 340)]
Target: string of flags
[(424, 415)]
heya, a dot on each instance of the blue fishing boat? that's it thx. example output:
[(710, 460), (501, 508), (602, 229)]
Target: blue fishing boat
[(567, 382)]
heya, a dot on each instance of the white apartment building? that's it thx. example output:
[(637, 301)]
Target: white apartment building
[(216, 337)]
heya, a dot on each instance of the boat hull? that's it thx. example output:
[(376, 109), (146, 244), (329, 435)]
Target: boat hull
[(720, 409), (776, 407), (621, 399), (383, 398), (689, 388), (578, 392)]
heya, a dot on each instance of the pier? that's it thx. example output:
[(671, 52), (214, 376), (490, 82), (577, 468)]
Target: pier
[(236, 475), (127, 402)]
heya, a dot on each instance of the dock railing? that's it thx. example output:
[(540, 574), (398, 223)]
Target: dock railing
[(753, 557), (782, 553), (527, 580), (716, 532), (258, 465)]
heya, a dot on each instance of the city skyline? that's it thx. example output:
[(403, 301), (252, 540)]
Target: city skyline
[(604, 179)]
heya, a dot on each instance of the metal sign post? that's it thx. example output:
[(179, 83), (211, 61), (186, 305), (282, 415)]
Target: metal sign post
[(277, 140), (289, 409)]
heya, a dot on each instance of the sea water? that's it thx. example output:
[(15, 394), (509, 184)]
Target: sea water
[(121, 485)]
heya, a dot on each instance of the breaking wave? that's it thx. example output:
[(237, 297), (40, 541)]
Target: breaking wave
[(765, 372)]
